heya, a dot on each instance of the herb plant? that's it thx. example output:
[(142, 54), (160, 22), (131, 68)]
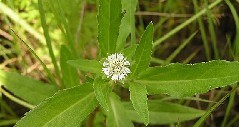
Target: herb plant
[(70, 103)]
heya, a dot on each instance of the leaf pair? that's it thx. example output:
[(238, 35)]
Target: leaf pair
[(138, 92)]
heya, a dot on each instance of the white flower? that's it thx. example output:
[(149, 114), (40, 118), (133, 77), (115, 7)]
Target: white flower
[(116, 67)]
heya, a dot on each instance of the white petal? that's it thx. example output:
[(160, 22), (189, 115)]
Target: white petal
[(120, 56), (105, 64), (113, 56), (115, 77), (126, 70), (126, 63), (106, 71), (121, 77), (109, 58)]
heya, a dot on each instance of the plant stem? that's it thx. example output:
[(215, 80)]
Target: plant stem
[(229, 106), (203, 32), (203, 118), (212, 31), (15, 99), (187, 22)]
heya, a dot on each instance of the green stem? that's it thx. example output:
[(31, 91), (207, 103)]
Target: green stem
[(203, 32), (177, 51), (157, 60), (235, 119), (187, 22), (212, 30), (236, 19), (15, 99), (204, 117), (229, 106), (8, 122)]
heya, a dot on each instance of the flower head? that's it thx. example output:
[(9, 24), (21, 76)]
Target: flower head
[(116, 67)]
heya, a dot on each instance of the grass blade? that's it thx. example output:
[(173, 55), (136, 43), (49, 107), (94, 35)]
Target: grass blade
[(236, 18), (212, 30), (203, 118), (203, 32), (52, 79), (176, 52), (48, 39), (187, 22), (229, 107), (16, 99)]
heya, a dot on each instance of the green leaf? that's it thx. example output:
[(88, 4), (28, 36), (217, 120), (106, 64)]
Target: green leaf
[(182, 80), (29, 89), (66, 108), (164, 113), (102, 90), (69, 73), (127, 25), (109, 21), (143, 51), (117, 116), (87, 65), (138, 97)]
